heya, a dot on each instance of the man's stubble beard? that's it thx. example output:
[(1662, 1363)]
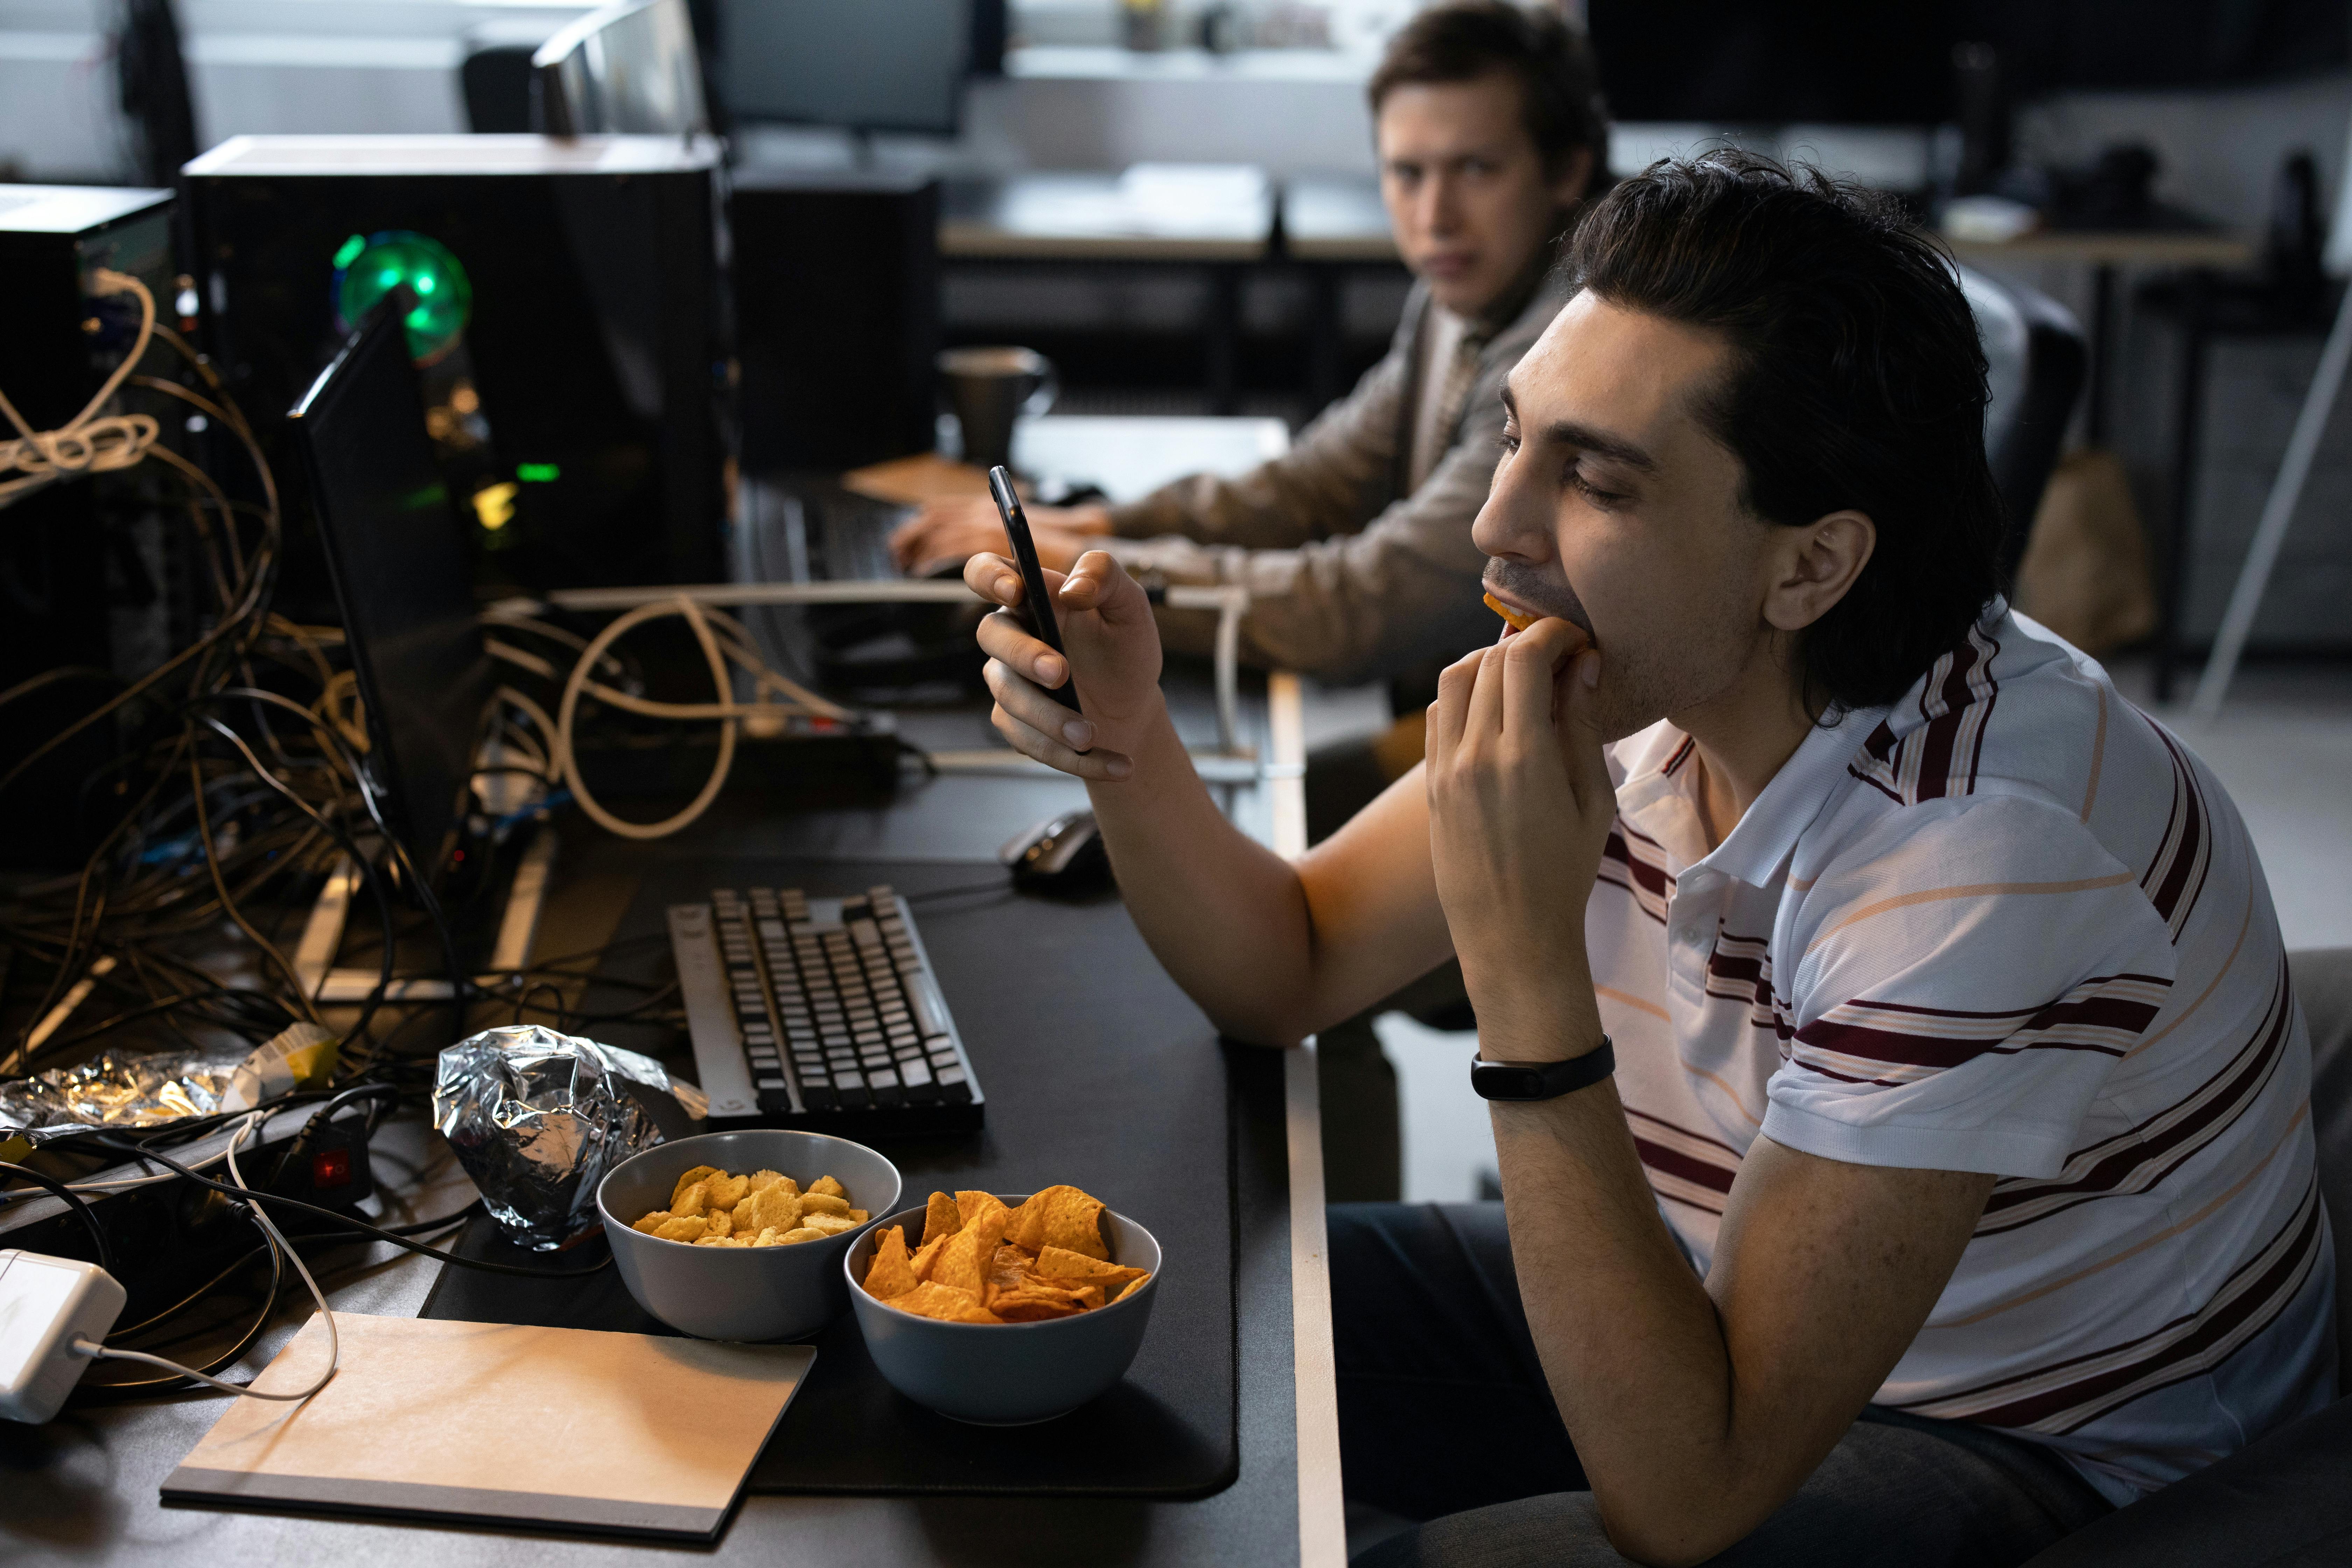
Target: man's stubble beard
[(1638, 685)]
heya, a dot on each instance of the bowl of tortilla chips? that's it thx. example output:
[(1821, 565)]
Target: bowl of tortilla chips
[(1000, 1309), (686, 1220)]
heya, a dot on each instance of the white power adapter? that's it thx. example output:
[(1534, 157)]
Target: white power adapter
[(46, 1305)]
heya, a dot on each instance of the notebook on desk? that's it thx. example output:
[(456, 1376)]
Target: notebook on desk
[(561, 1429)]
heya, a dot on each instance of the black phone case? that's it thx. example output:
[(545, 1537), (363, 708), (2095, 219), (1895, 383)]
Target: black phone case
[(1037, 611)]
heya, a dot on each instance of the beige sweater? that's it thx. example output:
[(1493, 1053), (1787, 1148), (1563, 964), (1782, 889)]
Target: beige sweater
[(1352, 576)]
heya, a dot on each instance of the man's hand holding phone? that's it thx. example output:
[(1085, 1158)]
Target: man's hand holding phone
[(1113, 659)]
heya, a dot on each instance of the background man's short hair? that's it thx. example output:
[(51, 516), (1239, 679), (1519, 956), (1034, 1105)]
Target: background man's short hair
[(1856, 381), (1560, 84)]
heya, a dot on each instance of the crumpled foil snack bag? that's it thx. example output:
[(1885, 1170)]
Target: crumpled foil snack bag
[(537, 1118)]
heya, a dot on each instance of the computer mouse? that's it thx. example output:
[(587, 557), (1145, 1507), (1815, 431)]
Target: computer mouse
[(1063, 854)]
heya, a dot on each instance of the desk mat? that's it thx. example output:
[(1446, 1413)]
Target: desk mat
[(1099, 1072)]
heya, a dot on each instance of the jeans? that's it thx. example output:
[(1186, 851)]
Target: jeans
[(1446, 1418)]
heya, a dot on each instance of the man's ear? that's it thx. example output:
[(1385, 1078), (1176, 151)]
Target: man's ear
[(1815, 566)]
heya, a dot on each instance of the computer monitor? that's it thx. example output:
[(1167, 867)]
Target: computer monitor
[(625, 70), (865, 65), (396, 552)]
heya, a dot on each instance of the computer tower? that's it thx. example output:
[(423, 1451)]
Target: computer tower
[(837, 283), (575, 355), (85, 581)]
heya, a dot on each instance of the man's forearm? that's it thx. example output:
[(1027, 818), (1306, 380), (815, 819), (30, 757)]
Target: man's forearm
[(1224, 914), (1629, 1341)]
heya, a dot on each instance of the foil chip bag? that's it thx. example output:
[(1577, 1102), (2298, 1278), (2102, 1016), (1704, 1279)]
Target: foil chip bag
[(537, 1118)]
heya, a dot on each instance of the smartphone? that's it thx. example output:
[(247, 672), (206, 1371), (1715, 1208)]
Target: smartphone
[(1037, 611)]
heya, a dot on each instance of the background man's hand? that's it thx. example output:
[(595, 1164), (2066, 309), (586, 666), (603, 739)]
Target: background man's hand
[(950, 531), (1520, 805), (1114, 658)]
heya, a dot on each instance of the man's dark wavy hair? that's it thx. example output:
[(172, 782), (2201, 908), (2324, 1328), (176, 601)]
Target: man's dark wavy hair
[(1856, 381)]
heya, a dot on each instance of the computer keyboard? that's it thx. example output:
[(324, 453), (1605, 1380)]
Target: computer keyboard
[(854, 543), (820, 1013)]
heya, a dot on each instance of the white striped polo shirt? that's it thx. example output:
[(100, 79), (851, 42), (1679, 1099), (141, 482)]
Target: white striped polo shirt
[(2011, 925)]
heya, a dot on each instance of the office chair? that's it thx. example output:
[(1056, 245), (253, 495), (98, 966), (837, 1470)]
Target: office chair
[(2282, 1500), (2035, 356)]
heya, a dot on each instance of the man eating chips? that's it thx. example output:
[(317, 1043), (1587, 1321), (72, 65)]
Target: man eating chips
[(1901, 1106)]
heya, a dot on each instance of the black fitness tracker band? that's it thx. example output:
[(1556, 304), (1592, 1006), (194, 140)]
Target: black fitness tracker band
[(1542, 1080)]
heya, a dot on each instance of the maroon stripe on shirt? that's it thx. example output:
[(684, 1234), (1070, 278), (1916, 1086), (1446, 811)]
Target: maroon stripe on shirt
[(1943, 728), (2186, 857), (2139, 1159), (2268, 1297), (1671, 1162)]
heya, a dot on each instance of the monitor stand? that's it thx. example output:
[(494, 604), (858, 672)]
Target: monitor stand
[(322, 936)]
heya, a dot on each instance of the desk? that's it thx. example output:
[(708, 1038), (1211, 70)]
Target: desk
[(1216, 218), (82, 1490)]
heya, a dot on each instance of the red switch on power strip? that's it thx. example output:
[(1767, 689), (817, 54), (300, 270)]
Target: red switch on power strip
[(330, 1168)]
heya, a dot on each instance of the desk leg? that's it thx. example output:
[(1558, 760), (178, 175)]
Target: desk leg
[(2103, 310), (1322, 1506), (2189, 417), (1224, 337)]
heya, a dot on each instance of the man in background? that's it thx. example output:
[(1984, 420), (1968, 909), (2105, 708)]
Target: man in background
[(1355, 545)]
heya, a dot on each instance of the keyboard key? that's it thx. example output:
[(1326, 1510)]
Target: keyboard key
[(916, 1074), (956, 1093), (951, 1075), (817, 1096)]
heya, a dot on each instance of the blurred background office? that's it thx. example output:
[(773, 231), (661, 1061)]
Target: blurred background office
[(1176, 204)]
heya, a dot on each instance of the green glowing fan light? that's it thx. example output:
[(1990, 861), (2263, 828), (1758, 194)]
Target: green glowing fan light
[(366, 269)]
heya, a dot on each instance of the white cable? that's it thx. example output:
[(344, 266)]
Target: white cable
[(88, 443), (566, 767), (86, 1347)]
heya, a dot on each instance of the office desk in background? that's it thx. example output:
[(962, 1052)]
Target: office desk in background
[(1218, 219), (83, 1490), (1333, 224)]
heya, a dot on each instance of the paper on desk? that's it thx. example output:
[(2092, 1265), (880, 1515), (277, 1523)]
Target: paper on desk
[(515, 1425)]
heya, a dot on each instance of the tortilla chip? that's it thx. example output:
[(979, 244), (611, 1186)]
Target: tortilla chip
[(1030, 1221), (1035, 1306), (725, 1192), (719, 1224), (941, 1218), (1074, 1220), (827, 1187), (964, 1262), (678, 1189), (1063, 1265), (1009, 1266), (892, 1272), (927, 1255), (944, 1302), (972, 1206), (1132, 1287), (822, 1203), (680, 1227)]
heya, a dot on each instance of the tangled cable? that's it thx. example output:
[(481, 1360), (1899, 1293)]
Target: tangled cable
[(88, 443)]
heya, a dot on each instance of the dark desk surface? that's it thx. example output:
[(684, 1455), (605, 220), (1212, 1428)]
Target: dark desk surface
[(82, 1490)]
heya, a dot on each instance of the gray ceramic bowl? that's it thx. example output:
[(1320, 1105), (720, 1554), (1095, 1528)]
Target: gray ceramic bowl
[(1005, 1374), (740, 1292)]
